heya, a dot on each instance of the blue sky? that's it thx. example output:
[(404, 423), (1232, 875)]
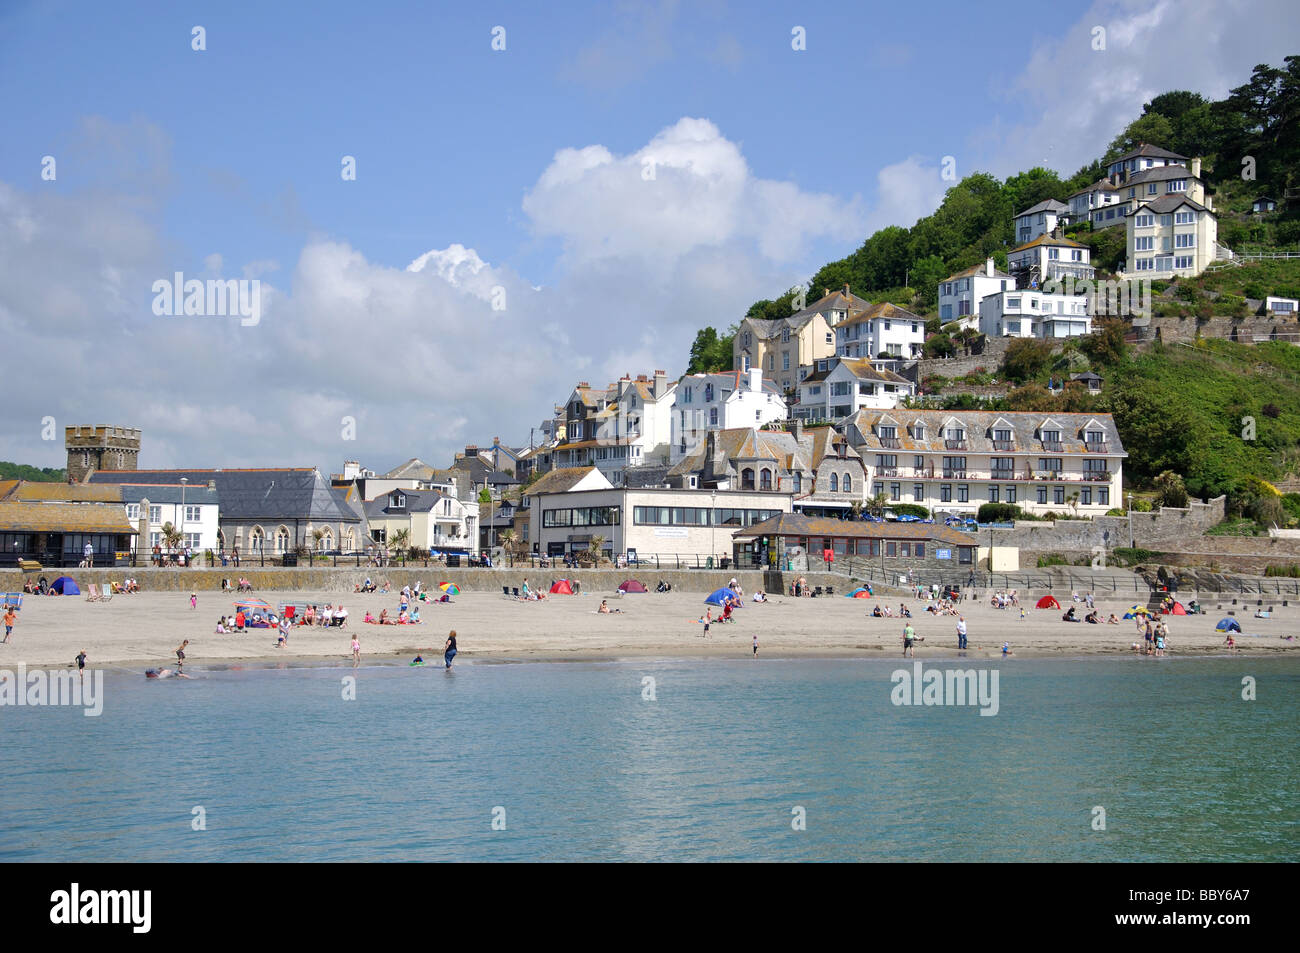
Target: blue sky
[(517, 169)]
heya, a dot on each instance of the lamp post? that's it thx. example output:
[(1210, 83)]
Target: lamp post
[(184, 480), (1130, 521)]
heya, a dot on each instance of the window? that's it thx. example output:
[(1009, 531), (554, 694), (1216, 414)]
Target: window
[(746, 363), (945, 493), (1085, 496), (798, 481), (919, 431), (891, 548), (1143, 264), (282, 540), (1146, 243), (748, 339), (1042, 494), (1013, 302), (848, 484), (993, 494), (1177, 185), (815, 389), (133, 511), (1166, 220), (829, 338), (840, 389), (1151, 188), (765, 479), (963, 493), (1103, 496), (1011, 494), (1184, 218), (785, 335), (1183, 261), (708, 393), (747, 479), (785, 360), (1185, 241), (1053, 254), (918, 492), (920, 550), (255, 538), (918, 461), (713, 416), (894, 491), (155, 514), (835, 483), (1144, 221)]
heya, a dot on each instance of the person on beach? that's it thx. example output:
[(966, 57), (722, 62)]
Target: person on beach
[(604, 607), (961, 632), (284, 632), (10, 619), (356, 651), (1006, 649), (194, 600), (1230, 642), (180, 654), (909, 640), (81, 665), (449, 650), (708, 620), (755, 655)]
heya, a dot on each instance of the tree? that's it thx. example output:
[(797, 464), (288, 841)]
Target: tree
[(1159, 434), (940, 346), (1026, 359), (400, 541), (925, 277), (876, 505), (171, 536), (1151, 128), (1105, 345), (710, 352), (1170, 490)]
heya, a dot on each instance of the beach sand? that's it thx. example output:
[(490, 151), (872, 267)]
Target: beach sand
[(144, 630)]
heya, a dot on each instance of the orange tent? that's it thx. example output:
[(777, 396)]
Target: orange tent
[(1178, 609), (562, 588), (1047, 602)]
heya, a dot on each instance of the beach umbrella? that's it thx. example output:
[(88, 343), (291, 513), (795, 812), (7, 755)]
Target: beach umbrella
[(631, 585), (257, 605), (1228, 624), (450, 588), (720, 596), (66, 586), (1137, 610), (561, 587), (862, 592), (1047, 602)]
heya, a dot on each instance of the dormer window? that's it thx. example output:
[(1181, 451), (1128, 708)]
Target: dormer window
[(399, 501), (918, 431), (708, 392), (785, 335)]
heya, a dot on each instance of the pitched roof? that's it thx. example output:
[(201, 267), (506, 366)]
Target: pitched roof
[(1101, 185), (1167, 203), (883, 309), (745, 443), (559, 481), (978, 426), (1146, 151), (975, 271), (412, 469), (1046, 240), (169, 493), (861, 368), (797, 524), (417, 501), (255, 494), (25, 491), (1160, 173), (64, 518), (1047, 205)]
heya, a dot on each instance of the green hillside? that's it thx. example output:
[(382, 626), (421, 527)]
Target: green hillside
[(21, 471)]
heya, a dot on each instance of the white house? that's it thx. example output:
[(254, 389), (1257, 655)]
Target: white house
[(192, 509), (720, 401), (1050, 257), (1140, 159), (960, 294), (1091, 204), (432, 519), (622, 425), (840, 386), (879, 330), (1027, 313), (1040, 219), (1172, 235), (1275, 305)]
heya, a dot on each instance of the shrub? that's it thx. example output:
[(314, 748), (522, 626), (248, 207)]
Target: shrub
[(997, 512), (940, 346), (1052, 559), (1291, 570), (1116, 511), (1170, 490), (1131, 556), (1141, 506), (910, 509)]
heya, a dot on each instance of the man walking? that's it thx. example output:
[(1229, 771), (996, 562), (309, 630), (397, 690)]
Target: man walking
[(449, 650), (10, 619), (90, 554), (961, 631), (909, 640)]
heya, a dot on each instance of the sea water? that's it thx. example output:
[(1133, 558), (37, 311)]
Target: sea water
[(1117, 759)]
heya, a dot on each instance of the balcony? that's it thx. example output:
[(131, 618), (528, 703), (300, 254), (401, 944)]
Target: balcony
[(1004, 474), (1096, 446), (887, 471), (954, 474), (1097, 476), (1053, 446), (955, 445), (923, 473), (1004, 445), (890, 442)]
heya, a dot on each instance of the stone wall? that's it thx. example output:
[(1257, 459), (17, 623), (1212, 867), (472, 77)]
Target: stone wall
[(1184, 330), (995, 349), (1163, 529)]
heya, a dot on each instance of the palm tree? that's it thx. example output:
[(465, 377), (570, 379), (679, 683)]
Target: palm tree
[(171, 536), (401, 540), (510, 541), (876, 505), (594, 547)]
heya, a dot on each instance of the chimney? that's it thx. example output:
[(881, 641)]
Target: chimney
[(796, 428), (1196, 167), (661, 384), (988, 268), (846, 290), (624, 383), (756, 379)]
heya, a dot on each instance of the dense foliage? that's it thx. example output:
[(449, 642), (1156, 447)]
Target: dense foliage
[(21, 471)]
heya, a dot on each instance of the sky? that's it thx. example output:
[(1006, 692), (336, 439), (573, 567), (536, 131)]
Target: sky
[(455, 212)]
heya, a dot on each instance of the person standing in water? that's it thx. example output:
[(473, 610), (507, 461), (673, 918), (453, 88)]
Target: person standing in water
[(180, 655), (81, 665), (755, 655), (356, 651), (449, 650)]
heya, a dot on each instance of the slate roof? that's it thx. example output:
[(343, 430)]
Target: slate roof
[(861, 368), (412, 469), (1167, 203), (728, 379), (977, 270), (796, 524), (1047, 205), (478, 472), (1160, 173), (169, 493), (744, 444), (65, 518), (978, 425), (417, 501), (1101, 185), (1046, 240), (1147, 151), (262, 495)]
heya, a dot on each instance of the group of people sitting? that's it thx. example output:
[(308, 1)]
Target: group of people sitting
[(241, 585), (1004, 600), (366, 586), (942, 607), (126, 585), (663, 587), (884, 612), (529, 593), (404, 617), (1092, 617)]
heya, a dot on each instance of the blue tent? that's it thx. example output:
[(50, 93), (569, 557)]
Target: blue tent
[(66, 586), (1228, 624), (719, 596)]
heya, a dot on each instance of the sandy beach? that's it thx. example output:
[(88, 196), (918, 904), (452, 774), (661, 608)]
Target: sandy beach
[(144, 630)]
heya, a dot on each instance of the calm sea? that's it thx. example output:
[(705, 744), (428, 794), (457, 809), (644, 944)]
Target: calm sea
[(578, 764)]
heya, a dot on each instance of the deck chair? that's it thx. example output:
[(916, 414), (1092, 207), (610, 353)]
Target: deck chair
[(105, 594), (515, 592), (92, 593), (830, 590), (505, 591)]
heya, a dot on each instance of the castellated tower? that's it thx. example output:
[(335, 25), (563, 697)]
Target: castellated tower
[(100, 448)]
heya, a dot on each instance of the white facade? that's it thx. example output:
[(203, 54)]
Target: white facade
[(1041, 219), (1171, 236), (1047, 258), (721, 401), (840, 387), (880, 329), (197, 522), (1275, 305), (1027, 313), (1141, 159), (1096, 198), (960, 294)]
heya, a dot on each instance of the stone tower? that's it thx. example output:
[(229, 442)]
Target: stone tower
[(100, 448)]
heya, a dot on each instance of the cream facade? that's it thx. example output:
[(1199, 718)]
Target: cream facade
[(1171, 236), (779, 347)]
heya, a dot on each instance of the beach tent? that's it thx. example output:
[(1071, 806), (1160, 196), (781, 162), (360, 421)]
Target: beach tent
[(862, 592), (450, 588), (719, 596), (251, 605), (631, 585), (1178, 609), (14, 599), (1047, 602), (1228, 624), (561, 587), (66, 586)]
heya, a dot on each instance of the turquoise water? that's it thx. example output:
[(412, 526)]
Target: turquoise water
[(587, 769)]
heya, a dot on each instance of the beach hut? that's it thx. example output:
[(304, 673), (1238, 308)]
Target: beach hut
[(66, 586), (1228, 624), (720, 596), (1047, 602), (631, 585), (561, 587), (862, 592)]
